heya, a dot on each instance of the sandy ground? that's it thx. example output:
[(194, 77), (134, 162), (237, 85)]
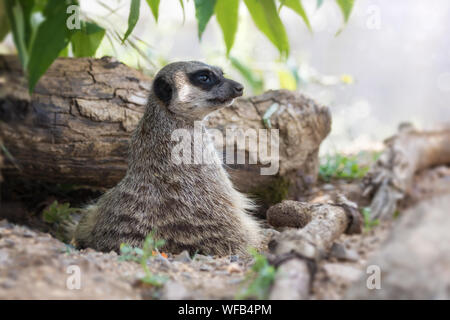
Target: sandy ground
[(35, 265)]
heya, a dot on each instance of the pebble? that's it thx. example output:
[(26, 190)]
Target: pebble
[(339, 251), (205, 267), (29, 234), (328, 187), (175, 291), (234, 268), (234, 258), (183, 257), (201, 257), (235, 281), (4, 258), (163, 261), (8, 243)]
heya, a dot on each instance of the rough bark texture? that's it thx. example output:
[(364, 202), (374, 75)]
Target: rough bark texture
[(316, 238), (298, 250), (75, 127), (410, 151), (292, 281), (415, 260)]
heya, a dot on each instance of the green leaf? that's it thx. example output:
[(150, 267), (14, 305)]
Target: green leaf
[(227, 16), (4, 25), (184, 12), (86, 41), (19, 12), (297, 6), (346, 7), (264, 14), (154, 5), (133, 18), (51, 37), (204, 9)]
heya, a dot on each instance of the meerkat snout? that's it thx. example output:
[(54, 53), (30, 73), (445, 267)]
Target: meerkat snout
[(193, 89)]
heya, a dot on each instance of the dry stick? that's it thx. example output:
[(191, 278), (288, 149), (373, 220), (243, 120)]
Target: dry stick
[(406, 153), (300, 249)]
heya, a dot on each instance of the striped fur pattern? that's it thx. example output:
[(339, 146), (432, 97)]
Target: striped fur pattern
[(192, 207)]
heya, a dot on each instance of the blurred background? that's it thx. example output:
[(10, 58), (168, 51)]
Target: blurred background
[(389, 64)]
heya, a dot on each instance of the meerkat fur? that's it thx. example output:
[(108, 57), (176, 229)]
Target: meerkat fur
[(192, 207)]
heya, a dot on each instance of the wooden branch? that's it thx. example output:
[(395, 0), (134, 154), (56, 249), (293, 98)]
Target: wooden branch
[(292, 281), (75, 128), (410, 151), (308, 245)]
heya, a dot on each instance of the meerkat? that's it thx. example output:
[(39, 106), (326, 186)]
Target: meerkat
[(193, 207)]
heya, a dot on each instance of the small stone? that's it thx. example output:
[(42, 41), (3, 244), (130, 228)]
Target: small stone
[(205, 267), (29, 234), (7, 284), (183, 257), (221, 273), (328, 187), (175, 291), (4, 258), (163, 261), (340, 252), (235, 281), (8, 243), (201, 257), (234, 268)]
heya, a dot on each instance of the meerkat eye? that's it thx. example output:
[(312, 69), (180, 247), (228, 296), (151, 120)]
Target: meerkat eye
[(204, 78)]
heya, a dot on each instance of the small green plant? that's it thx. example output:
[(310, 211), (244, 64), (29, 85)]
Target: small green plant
[(59, 215), (259, 279), (149, 249), (129, 253), (368, 222), (58, 212), (342, 167)]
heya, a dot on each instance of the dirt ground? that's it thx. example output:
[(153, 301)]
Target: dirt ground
[(35, 265)]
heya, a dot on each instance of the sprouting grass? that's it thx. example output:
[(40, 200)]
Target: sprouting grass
[(58, 215), (344, 167), (259, 279), (142, 255), (58, 212), (368, 222)]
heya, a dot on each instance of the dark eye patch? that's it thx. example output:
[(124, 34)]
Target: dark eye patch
[(204, 79)]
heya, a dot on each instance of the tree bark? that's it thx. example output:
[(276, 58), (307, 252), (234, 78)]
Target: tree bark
[(76, 126), (297, 251), (407, 153)]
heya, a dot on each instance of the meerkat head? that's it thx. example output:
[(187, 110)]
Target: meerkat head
[(193, 89)]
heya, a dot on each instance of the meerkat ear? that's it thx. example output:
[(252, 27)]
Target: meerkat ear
[(163, 90)]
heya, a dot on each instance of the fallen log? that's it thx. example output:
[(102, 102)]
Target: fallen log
[(76, 126), (407, 153), (297, 250)]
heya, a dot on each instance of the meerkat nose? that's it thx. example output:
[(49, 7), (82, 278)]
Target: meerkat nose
[(238, 89)]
